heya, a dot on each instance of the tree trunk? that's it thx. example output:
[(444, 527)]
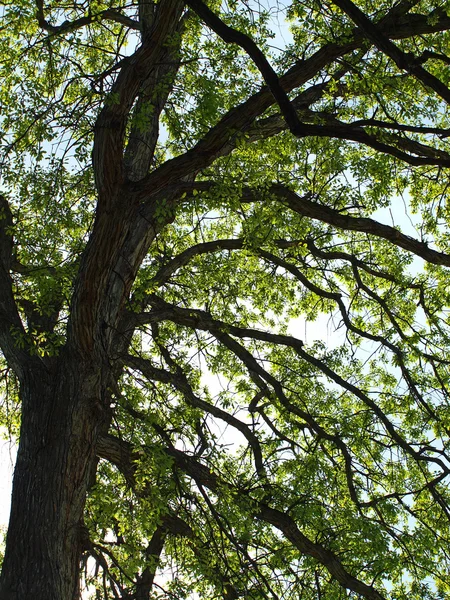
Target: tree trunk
[(55, 463)]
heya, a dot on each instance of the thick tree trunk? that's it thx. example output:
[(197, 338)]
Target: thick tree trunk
[(62, 416)]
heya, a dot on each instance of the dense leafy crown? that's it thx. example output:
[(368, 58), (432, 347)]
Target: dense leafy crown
[(279, 368)]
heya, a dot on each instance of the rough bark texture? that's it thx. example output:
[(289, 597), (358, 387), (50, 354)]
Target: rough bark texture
[(53, 471), (65, 407)]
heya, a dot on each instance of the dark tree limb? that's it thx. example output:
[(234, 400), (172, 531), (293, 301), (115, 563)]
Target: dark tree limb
[(221, 139), (121, 235), (423, 129), (111, 123), (232, 36), (331, 254), (402, 59), (108, 448), (202, 320), (182, 259), (67, 26), (307, 207), (152, 98), (179, 380), (153, 552), (321, 124)]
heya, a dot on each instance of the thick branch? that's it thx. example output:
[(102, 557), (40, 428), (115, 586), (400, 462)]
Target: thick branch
[(121, 234), (403, 60), (306, 207), (180, 260), (221, 139), (230, 35), (111, 123), (354, 261), (151, 101), (284, 523), (394, 145), (202, 320), (155, 547)]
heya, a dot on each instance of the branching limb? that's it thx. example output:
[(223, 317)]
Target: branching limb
[(222, 138), (107, 448), (407, 150), (354, 261), (68, 26), (232, 36), (111, 123), (179, 380), (153, 552), (152, 98), (113, 254), (182, 259), (403, 60), (307, 207), (423, 129), (202, 320)]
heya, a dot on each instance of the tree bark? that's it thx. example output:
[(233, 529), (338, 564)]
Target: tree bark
[(55, 464)]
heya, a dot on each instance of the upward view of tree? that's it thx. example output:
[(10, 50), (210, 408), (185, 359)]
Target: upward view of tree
[(190, 190)]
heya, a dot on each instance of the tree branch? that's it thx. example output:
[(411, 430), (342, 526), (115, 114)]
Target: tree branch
[(104, 15), (108, 448), (121, 234), (304, 206), (393, 145), (202, 320), (181, 383), (111, 123), (403, 60), (222, 138), (182, 259), (152, 98), (232, 36), (354, 261)]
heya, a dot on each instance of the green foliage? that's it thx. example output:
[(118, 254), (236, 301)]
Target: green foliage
[(302, 361)]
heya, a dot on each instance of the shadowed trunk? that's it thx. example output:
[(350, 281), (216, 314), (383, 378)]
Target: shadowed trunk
[(55, 464)]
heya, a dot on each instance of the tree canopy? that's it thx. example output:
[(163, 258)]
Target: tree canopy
[(192, 192)]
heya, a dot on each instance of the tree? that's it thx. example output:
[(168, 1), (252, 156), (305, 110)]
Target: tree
[(182, 200)]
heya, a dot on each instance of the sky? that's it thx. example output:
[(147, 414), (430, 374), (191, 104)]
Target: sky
[(7, 460)]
